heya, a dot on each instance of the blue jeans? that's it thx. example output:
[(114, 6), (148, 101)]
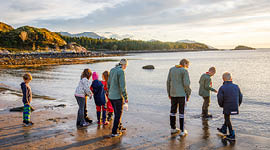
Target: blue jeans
[(118, 111), (80, 116)]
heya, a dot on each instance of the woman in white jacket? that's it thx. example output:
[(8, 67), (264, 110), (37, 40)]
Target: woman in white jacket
[(83, 90)]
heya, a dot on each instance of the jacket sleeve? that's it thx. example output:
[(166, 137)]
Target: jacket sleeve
[(25, 93), (220, 97), (240, 97), (122, 83), (207, 85), (86, 87), (109, 82), (169, 83), (186, 82)]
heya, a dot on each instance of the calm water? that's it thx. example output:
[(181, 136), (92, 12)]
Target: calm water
[(147, 89)]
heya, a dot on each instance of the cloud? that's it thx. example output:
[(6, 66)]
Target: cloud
[(170, 20)]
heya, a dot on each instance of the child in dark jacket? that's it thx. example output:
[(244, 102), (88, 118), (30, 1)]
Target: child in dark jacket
[(99, 97), (26, 99), (230, 98)]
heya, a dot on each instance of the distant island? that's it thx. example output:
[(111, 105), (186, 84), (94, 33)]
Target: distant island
[(31, 39), (242, 47)]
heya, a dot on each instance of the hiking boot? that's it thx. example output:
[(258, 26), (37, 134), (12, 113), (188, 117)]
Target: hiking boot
[(183, 133), (176, 130), (88, 120)]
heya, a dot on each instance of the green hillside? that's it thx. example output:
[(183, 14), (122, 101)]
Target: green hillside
[(29, 38)]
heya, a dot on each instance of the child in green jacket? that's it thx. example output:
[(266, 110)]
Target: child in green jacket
[(205, 88)]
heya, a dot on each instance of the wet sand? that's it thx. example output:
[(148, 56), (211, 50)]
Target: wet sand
[(55, 128)]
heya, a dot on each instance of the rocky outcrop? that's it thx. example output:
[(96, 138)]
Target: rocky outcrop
[(148, 67), (242, 47)]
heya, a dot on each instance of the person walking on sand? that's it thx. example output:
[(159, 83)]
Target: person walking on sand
[(204, 90), (229, 98), (26, 99), (118, 94), (178, 89), (81, 93), (100, 99)]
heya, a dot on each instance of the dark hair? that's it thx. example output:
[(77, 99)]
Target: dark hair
[(106, 75), (86, 74), (183, 62), (27, 76)]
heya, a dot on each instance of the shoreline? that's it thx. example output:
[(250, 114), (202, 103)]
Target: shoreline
[(55, 129)]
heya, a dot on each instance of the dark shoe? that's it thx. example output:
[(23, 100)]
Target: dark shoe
[(117, 134), (231, 136), (85, 124), (26, 124), (223, 129), (88, 120)]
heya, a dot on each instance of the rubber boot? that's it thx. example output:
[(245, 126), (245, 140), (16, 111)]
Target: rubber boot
[(181, 121), (173, 122)]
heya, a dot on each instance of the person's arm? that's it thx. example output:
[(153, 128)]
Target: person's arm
[(122, 83), (240, 97), (207, 84), (186, 83), (86, 87), (109, 82), (220, 97), (169, 84)]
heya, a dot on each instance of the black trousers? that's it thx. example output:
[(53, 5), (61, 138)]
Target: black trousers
[(177, 103), (118, 111), (228, 121)]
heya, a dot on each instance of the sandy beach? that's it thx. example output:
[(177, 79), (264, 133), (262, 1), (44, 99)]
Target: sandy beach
[(55, 128)]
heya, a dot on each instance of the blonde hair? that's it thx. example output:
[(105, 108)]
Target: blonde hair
[(27, 76), (226, 76)]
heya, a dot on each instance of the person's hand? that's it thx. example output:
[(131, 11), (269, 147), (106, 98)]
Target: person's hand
[(187, 98), (215, 91)]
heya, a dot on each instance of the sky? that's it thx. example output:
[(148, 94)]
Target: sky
[(219, 23)]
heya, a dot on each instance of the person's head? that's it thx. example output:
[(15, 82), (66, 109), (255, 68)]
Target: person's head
[(105, 75), (184, 63), (227, 76), (123, 62), (86, 74), (212, 71), (95, 76), (27, 77)]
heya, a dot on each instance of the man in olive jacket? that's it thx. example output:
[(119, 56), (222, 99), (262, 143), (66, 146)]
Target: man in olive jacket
[(205, 88), (178, 88), (118, 94)]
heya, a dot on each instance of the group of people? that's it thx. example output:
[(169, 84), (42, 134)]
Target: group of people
[(110, 95), (178, 88)]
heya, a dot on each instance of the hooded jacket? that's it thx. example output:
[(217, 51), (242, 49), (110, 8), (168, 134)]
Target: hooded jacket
[(99, 93)]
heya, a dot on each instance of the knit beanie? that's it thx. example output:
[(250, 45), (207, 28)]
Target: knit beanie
[(95, 76)]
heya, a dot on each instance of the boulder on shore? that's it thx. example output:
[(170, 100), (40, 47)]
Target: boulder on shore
[(148, 67), (20, 109), (242, 47)]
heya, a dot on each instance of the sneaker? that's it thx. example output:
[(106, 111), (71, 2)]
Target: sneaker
[(85, 124), (106, 123), (231, 136), (176, 130), (183, 133), (116, 135), (26, 124)]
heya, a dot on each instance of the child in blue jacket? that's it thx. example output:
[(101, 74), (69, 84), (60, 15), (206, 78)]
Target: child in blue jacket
[(229, 98), (100, 99)]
